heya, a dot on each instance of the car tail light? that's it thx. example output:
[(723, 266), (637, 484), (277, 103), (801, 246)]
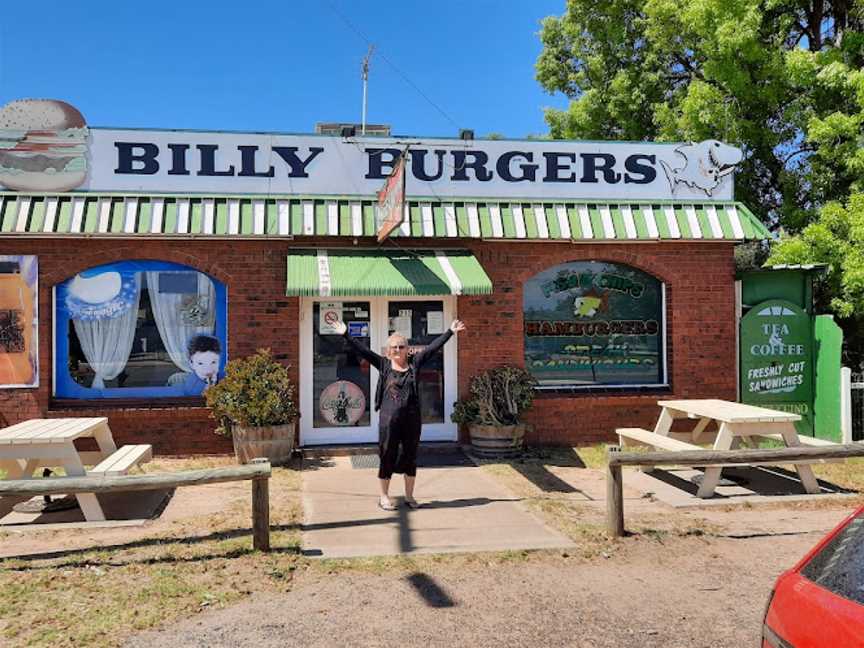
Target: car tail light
[(767, 605), (769, 637), (771, 640)]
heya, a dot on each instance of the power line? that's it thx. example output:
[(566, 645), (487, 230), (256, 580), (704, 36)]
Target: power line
[(404, 76)]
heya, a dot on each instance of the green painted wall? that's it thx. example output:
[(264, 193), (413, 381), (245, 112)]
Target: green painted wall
[(826, 404), (790, 285)]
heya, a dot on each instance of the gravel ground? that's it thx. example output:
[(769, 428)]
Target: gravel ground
[(684, 592)]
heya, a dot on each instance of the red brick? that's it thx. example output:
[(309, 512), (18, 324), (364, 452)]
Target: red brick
[(700, 328)]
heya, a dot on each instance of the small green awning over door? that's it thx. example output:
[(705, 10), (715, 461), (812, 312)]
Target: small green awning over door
[(345, 273)]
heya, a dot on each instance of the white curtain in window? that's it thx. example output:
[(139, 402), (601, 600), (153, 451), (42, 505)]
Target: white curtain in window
[(107, 342), (179, 316)]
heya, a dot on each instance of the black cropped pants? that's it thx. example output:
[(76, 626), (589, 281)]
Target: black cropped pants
[(398, 440)]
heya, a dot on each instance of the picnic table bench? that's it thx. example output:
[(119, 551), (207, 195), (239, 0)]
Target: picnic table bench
[(35, 443), (736, 422)]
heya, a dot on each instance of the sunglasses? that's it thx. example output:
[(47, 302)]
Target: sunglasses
[(397, 347)]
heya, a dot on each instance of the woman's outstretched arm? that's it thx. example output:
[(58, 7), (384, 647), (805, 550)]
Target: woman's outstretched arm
[(374, 359), (437, 343)]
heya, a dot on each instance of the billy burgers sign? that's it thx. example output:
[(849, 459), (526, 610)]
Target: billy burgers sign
[(46, 145)]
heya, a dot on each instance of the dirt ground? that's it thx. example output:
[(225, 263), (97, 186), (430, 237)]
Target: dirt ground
[(686, 592), (694, 577)]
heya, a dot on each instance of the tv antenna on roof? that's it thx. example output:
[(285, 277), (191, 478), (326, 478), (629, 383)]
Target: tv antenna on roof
[(365, 68)]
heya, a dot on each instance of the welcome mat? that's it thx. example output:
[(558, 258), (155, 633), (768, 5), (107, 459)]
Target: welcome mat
[(426, 460)]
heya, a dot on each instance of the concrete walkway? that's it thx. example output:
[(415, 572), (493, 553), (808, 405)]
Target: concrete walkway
[(463, 510)]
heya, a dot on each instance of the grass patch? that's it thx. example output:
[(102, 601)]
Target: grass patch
[(99, 596), (428, 563), (97, 603), (593, 456), (849, 474)]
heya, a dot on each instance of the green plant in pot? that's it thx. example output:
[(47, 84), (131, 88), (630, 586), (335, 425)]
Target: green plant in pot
[(493, 411), (254, 404)]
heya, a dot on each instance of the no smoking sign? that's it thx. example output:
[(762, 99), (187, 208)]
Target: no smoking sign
[(330, 315)]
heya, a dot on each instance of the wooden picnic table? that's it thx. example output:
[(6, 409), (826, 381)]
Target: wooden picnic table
[(27, 445), (735, 421)]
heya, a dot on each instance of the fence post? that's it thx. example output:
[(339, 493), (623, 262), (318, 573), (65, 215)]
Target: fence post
[(614, 496), (261, 511), (846, 404)]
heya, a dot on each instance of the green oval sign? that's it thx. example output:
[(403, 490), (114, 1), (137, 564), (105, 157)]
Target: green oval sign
[(777, 360)]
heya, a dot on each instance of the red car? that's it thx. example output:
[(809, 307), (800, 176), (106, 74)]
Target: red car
[(819, 603)]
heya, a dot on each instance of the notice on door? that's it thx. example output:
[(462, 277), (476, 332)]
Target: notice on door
[(434, 323), (331, 314), (401, 325)]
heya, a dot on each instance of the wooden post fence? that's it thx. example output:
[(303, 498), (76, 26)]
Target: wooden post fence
[(261, 508), (258, 471), (617, 459)]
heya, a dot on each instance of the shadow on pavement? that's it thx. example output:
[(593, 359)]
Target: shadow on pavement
[(747, 481)]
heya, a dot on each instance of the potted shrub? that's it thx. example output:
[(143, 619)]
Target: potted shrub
[(492, 413), (254, 404)]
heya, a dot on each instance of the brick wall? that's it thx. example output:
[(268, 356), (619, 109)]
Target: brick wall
[(700, 328), (259, 315), (700, 306)]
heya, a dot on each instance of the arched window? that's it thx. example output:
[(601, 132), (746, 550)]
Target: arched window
[(594, 324), (138, 329)]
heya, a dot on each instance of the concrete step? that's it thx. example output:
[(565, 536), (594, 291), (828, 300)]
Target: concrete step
[(346, 450)]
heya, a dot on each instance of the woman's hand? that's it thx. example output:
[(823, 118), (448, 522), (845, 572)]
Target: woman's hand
[(457, 326), (340, 327)]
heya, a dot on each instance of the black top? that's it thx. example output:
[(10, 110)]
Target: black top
[(400, 387)]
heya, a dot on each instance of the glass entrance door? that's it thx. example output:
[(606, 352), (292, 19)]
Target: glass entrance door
[(337, 386), (421, 322)]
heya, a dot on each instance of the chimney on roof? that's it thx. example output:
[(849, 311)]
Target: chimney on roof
[(339, 129)]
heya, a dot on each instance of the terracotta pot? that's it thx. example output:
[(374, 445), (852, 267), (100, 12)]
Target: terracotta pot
[(274, 442), (497, 440)]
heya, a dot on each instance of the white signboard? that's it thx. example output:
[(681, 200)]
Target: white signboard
[(47, 146), (200, 162)]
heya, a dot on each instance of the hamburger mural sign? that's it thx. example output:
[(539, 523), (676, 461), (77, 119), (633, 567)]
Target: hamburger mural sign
[(43, 146)]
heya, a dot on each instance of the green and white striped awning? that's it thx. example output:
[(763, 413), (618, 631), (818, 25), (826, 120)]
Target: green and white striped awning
[(342, 273), (85, 214)]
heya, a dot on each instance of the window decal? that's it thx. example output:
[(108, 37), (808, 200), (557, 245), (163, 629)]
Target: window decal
[(139, 329), (591, 323)]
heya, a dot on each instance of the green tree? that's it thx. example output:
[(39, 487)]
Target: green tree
[(779, 78), (836, 239)]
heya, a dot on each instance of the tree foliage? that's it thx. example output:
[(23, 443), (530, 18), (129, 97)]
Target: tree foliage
[(836, 239), (779, 78)]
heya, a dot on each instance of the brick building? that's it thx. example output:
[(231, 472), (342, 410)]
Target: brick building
[(603, 268)]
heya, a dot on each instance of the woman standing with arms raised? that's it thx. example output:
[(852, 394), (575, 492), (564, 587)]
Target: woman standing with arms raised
[(398, 399)]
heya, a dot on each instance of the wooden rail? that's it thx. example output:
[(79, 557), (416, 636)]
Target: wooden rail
[(258, 471), (616, 459)]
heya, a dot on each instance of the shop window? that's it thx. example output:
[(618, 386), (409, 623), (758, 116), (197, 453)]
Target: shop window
[(594, 324), (139, 329)]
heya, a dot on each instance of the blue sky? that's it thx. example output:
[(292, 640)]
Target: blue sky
[(265, 65)]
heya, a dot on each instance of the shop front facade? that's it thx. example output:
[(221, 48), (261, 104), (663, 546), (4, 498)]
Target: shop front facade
[(604, 269)]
